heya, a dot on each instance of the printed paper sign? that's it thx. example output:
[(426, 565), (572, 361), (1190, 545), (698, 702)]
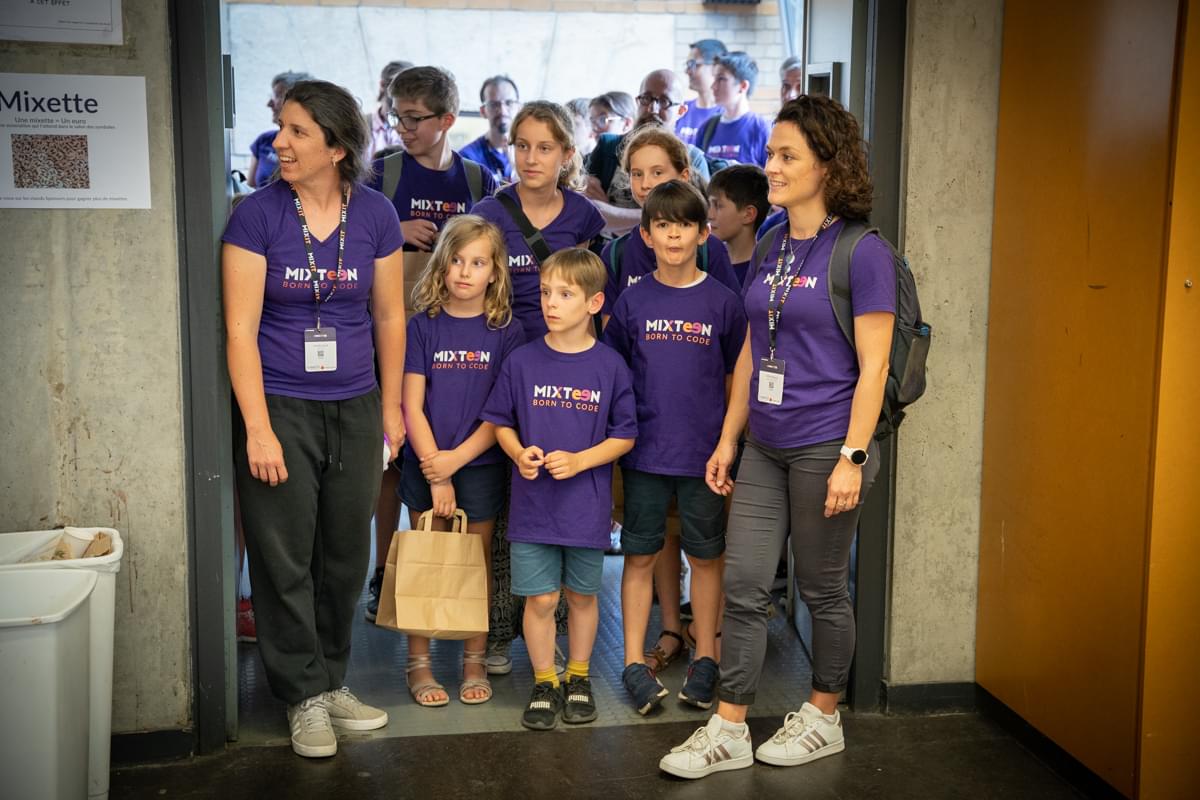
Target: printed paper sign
[(77, 21), (73, 141)]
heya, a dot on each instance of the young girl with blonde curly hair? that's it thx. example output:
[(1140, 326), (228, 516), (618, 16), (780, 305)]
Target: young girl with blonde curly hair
[(462, 331)]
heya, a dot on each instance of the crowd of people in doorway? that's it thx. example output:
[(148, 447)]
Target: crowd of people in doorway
[(593, 283)]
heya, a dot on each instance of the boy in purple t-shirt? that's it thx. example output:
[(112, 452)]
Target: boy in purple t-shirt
[(681, 332), (564, 411), (737, 206), (434, 183), (737, 135)]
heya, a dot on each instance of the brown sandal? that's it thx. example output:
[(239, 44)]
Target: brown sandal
[(659, 659), (690, 640)]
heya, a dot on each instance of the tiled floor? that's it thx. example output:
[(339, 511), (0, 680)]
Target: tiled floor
[(376, 675)]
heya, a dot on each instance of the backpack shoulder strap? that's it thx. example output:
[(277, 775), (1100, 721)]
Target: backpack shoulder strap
[(533, 236), (852, 232), (702, 257), (393, 166), (763, 246), (614, 254), (709, 131), (474, 179)]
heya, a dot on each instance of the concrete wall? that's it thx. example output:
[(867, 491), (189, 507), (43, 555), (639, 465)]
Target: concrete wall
[(952, 112), (92, 430), (554, 49)]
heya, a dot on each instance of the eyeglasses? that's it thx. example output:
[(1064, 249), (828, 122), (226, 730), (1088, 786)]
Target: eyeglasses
[(600, 123), (692, 63), (409, 123), (496, 105), (649, 101)]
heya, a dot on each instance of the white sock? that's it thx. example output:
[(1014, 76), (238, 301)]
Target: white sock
[(732, 727)]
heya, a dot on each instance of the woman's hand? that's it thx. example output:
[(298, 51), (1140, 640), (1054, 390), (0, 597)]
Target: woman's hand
[(265, 455), (440, 465), (716, 472), (443, 499), (844, 484), (393, 431)]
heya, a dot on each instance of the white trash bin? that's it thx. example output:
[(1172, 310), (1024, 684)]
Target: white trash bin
[(44, 651), (17, 546)]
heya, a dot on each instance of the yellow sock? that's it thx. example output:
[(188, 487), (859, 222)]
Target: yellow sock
[(577, 669), (547, 676)]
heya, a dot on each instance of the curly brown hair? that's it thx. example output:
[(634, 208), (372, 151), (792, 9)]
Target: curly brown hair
[(834, 136)]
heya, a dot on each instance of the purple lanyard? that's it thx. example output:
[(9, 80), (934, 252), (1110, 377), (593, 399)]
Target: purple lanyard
[(308, 248)]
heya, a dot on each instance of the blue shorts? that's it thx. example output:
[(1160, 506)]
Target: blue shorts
[(478, 491), (543, 568), (647, 498)]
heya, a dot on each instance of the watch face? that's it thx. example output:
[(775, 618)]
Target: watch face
[(858, 457)]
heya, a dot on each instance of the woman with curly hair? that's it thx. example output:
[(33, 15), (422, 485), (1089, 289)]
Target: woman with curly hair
[(812, 402)]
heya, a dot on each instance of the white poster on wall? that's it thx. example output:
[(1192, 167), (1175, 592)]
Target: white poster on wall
[(77, 21), (73, 141)]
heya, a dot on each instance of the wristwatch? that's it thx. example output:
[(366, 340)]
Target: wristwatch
[(857, 455)]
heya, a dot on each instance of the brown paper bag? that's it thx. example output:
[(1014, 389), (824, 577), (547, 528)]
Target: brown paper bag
[(435, 582), (414, 265)]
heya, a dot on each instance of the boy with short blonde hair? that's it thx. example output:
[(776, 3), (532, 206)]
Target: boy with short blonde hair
[(564, 410)]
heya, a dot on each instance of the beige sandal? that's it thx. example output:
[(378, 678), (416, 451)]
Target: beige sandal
[(468, 684), (420, 693)]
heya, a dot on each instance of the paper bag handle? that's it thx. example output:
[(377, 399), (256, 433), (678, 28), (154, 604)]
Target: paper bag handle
[(459, 525)]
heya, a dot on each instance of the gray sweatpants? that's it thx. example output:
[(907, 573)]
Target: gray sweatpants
[(777, 493), (308, 540)]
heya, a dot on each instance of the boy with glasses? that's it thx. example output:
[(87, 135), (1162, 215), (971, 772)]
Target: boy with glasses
[(699, 69), (499, 102)]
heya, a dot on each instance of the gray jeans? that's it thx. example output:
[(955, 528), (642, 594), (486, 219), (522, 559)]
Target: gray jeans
[(782, 492)]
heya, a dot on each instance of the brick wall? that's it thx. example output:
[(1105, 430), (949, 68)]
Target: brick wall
[(753, 28)]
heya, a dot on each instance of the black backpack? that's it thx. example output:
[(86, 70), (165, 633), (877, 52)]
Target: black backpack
[(707, 131), (910, 337)]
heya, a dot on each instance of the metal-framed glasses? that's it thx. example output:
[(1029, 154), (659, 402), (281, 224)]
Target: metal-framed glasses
[(408, 122), (601, 122), (649, 101)]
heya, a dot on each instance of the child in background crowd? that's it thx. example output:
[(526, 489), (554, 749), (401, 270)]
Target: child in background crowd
[(653, 156), (549, 167), (612, 112), (699, 70), (681, 332), (564, 410), (462, 333), (434, 184), (737, 206), (738, 134)]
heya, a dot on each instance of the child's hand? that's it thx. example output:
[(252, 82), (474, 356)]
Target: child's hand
[(716, 472), (528, 462), (420, 233), (562, 465), (444, 500), (440, 465)]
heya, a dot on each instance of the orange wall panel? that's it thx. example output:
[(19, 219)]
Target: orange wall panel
[(1082, 174), (1170, 693)]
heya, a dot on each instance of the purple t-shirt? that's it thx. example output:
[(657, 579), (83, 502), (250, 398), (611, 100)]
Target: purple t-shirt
[(432, 194), (687, 127), (680, 343), (263, 150), (743, 141), (578, 222), (739, 270), (637, 261), (563, 401), (460, 359), (821, 369), (266, 223), (496, 161)]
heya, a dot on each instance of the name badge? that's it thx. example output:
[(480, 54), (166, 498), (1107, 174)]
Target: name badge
[(770, 381), (320, 350)]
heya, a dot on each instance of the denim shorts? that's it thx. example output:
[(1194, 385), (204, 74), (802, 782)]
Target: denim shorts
[(478, 490), (543, 568), (647, 497)]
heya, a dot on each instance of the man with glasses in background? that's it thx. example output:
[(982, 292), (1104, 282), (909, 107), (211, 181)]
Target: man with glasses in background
[(699, 65), (499, 103)]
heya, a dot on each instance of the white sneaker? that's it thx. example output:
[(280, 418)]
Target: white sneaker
[(710, 749), (312, 735), (347, 711), (499, 662), (806, 735)]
